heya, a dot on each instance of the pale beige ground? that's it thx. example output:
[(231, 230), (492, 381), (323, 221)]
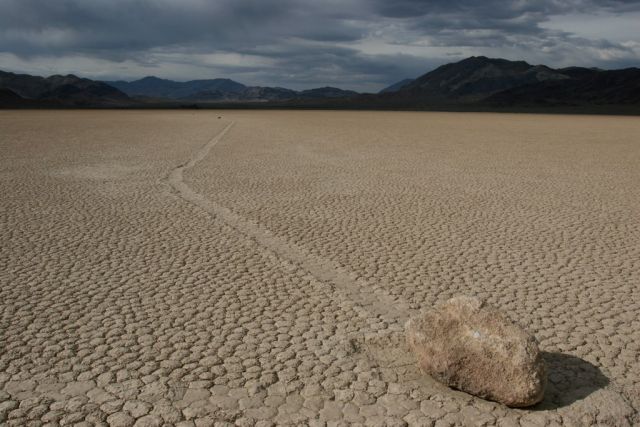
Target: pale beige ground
[(151, 273)]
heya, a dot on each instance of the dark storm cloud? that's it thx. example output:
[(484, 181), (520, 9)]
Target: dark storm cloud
[(129, 25), (302, 42), (507, 20), (332, 66), (497, 9)]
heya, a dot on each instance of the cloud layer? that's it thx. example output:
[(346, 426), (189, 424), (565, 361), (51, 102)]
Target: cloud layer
[(359, 44)]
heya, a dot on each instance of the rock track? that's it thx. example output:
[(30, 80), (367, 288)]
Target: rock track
[(246, 294), (324, 270)]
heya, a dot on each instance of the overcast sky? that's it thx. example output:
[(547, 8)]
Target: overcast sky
[(353, 44)]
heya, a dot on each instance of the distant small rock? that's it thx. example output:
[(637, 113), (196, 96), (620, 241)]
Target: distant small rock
[(473, 347)]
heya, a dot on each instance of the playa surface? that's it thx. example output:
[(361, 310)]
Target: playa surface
[(198, 268)]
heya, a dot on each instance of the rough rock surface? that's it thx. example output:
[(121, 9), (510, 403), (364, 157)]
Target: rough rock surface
[(475, 348)]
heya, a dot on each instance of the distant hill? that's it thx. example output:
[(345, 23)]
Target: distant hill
[(266, 93), (481, 83), (326, 92), (60, 90), (476, 78), (162, 88), (8, 95), (472, 84), (220, 90), (584, 87), (8, 98), (396, 86)]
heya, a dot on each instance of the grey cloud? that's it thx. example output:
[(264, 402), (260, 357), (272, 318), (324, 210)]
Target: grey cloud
[(498, 9), (492, 25), (136, 24), (304, 42), (506, 20), (307, 66)]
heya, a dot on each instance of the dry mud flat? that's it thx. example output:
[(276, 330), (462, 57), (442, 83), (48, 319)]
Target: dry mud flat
[(173, 268)]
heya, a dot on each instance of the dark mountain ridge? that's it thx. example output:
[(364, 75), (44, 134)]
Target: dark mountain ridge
[(615, 87), (481, 83), (220, 90), (473, 84), (326, 92), (163, 88), (396, 86), (6, 95), (57, 89), (476, 78)]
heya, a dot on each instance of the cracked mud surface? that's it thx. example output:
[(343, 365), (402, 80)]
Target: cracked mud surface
[(157, 271)]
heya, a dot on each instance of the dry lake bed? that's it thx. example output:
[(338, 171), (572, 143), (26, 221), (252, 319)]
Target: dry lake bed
[(197, 268)]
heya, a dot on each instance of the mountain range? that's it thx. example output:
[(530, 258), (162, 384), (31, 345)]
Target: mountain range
[(475, 83), (57, 91), (153, 87), (501, 83), (220, 90)]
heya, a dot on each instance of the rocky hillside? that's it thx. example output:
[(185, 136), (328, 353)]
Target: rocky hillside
[(475, 83), (476, 78), (396, 86), (582, 87), (61, 90), (155, 87), (481, 83), (220, 90)]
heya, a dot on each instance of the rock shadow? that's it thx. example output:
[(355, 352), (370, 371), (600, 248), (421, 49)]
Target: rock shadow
[(570, 379)]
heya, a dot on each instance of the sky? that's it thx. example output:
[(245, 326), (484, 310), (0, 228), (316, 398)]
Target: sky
[(362, 45)]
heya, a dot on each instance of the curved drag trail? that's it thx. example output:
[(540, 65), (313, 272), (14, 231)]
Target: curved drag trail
[(324, 270)]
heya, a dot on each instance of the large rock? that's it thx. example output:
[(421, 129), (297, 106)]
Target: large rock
[(473, 347)]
